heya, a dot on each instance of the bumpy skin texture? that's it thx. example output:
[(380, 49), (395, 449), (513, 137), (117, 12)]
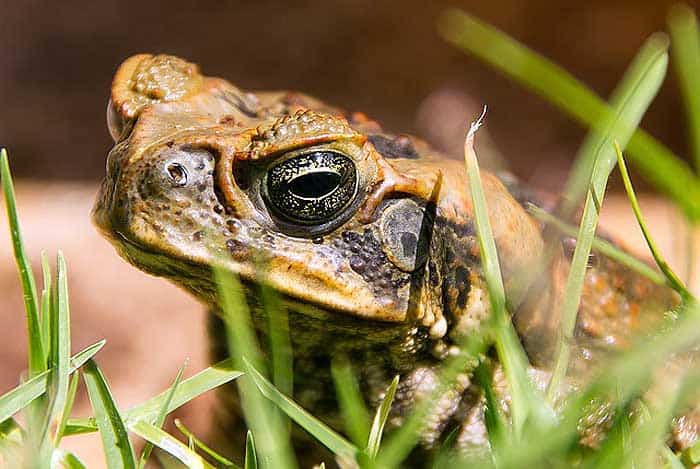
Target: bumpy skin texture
[(392, 279)]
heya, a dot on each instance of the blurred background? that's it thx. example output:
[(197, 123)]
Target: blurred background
[(380, 57)]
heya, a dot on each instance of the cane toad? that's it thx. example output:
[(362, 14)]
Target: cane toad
[(368, 236)]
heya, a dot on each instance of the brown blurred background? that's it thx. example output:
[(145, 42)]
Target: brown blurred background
[(380, 57)]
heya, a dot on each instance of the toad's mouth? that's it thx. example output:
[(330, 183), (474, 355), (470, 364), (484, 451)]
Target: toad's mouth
[(198, 278)]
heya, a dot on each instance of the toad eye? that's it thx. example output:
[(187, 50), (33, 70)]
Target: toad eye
[(310, 188)]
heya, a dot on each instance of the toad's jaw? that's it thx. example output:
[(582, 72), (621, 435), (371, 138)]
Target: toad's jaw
[(194, 273)]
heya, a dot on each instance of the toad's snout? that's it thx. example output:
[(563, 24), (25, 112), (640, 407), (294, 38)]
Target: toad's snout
[(169, 189)]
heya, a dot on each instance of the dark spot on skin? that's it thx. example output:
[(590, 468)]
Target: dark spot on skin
[(169, 143), (463, 286), (268, 238), (200, 166), (228, 120), (233, 226), (367, 258), (449, 256), (201, 187), (463, 230), (461, 276), (400, 147), (219, 209), (569, 245), (317, 240), (235, 247), (357, 264), (409, 243), (197, 236)]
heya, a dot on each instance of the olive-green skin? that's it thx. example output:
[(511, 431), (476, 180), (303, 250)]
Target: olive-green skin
[(392, 281)]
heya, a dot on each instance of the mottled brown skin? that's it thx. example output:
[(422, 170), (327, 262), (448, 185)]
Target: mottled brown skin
[(392, 280)]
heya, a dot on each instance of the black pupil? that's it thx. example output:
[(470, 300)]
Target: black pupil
[(314, 185), (310, 188)]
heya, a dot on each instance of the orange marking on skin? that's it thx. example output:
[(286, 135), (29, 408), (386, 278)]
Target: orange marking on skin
[(228, 148), (390, 181)]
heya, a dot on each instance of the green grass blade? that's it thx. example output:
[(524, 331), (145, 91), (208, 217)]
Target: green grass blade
[(160, 418), (672, 460), (352, 406), (639, 87), (251, 459), (115, 441), (16, 399), (46, 305), (194, 442), (446, 452), (60, 344), (80, 358), (628, 103), (495, 421), (67, 409), (167, 461), (672, 278), (685, 50), (602, 246), (380, 417), (280, 344), (574, 283), (657, 163), (21, 396), (206, 380), (37, 363), (66, 460), (324, 434), (169, 444), (271, 435), (692, 454), (524, 403), (279, 341)]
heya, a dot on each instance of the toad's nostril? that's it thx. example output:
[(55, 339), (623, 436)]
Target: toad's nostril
[(177, 174)]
